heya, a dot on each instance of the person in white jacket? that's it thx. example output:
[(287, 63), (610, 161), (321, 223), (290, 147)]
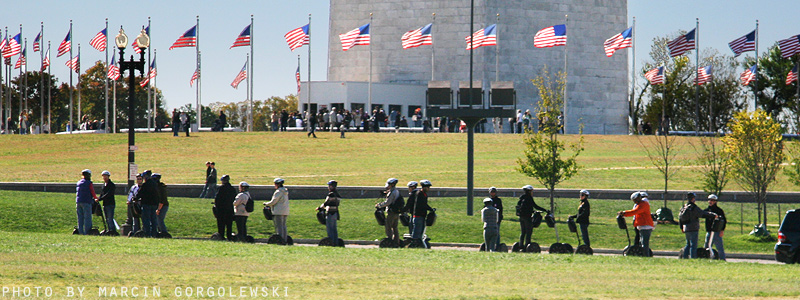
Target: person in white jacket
[(280, 208), (240, 213)]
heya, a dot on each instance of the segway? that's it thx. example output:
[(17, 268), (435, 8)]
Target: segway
[(326, 241), (557, 247), (424, 242), (98, 211), (276, 239), (709, 252), (630, 250), (533, 247), (582, 249)]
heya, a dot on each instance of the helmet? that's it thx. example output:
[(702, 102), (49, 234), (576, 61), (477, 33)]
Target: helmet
[(333, 183), (244, 184), (225, 178), (492, 189), (527, 188), (278, 180), (146, 174), (635, 195), (644, 194), (156, 176), (106, 173), (425, 182), (585, 192), (412, 184), (712, 197), (391, 181), (690, 195), (487, 200), (86, 171)]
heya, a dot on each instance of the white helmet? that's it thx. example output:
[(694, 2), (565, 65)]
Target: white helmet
[(643, 194), (585, 192), (278, 180), (635, 195), (106, 173), (412, 184), (712, 197), (487, 200), (425, 182), (527, 188), (391, 181), (244, 184)]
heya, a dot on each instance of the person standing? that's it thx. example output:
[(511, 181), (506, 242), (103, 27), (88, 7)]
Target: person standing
[(490, 218), (185, 122), (526, 206), (331, 208), (240, 213), (582, 218), (176, 122), (223, 121), (421, 209), (149, 197), (107, 196), (689, 221), (84, 198), (135, 219), (518, 122), (224, 205), (497, 203), (392, 214), (284, 120), (642, 220), (163, 205), (280, 208), (210, 189), (713, 208), (312, 125), (409, 207)]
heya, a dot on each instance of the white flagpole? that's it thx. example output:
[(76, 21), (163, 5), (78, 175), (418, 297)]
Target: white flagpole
[(71, 124), (433, 51), (696, 66), (79, 83), (631, 104), (564, 113), (497, 51), (197, 48), (755, 91), (2, 102), (308, 85), (250, 83), (105, 83), (149, 86), (49, 94), (41, 75), (369, 87), (114, 104)]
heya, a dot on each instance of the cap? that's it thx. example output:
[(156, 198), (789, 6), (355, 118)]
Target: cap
[(226, 178), (712, 197), (487, 200), (635, 195), (278, 180), (425, 182), (492, 189), (332, 182), (412, 184), (244, 184), (585, 192), (391, 181), (106, 173), (87, 171), (527, 188)]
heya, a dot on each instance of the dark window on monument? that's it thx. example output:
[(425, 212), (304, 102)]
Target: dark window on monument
[(502, 97), (313, 107), (339, 106), (397, 108), (438, 96), (356, 106), (411, 109), (377, 107)]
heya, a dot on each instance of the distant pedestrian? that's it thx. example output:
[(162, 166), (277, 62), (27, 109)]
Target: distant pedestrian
[(312, 125), (210, 189), (489, 217), (84, 198), (223, 121), (185, 122), (284, 120), (109, 204), (712, 207), (274, 121), (240, 213), (582, 218), (280, 208), (176, 122)]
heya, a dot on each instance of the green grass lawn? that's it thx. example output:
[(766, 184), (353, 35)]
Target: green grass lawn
[(366, 159), (37, 212), (60, 261)]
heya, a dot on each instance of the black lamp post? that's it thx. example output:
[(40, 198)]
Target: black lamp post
[(142, 41)]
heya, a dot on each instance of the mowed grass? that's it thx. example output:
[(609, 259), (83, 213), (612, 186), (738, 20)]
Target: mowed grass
[(362, 159), (38, 212), (59, 261)]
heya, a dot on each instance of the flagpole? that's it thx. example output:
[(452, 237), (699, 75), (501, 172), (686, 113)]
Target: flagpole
[(369, 87), (41, 75), (566, 72), (3, 122), (308, 86), (49, 93), (114, 105), (78, 87), (71, 124), (471, 64), (497, 51), (696, 81), (633, 79), (433, 51), (755, 91), (149, 89), (250, 83), (199, 77), (24, 90), (105, 83), (23, 71)]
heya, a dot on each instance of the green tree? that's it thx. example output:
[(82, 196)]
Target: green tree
[(756, 152), (543, 151), (714, 164), (774, 96)]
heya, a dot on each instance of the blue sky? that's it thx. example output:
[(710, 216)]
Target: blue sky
[(220, 23)]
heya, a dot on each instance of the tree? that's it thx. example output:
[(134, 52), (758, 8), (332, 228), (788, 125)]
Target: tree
[(774, 96), (543, 150), (663, 150), (714, 164), (756, 152), (793, 169)]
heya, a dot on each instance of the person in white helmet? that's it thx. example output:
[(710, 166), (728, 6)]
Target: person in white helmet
[(280, 208), (393, 211), (498, 204), (490, 219), (409, 208), (240, 213), (712, 207)]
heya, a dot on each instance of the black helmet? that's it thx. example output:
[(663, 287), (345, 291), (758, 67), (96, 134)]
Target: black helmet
[(333, 183), (225, 178), (147, 173)]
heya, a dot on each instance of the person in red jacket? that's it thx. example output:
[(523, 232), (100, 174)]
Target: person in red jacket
[(641, 219)]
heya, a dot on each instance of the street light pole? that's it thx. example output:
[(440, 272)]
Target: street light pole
[(142, 41)]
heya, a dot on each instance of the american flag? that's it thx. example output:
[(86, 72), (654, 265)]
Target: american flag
[(4, 43), (144, 81), (417, 37), (113, 69), (704, 74), (483, 37), (792, 76), (153, 71), (551, 36), (75, 63), (136, 48), (297, 77), (655, 76), (619, 41), (194, 76), (37, 42), (790, 46), (46, 61), (297, 37), (243, 39), (99, 41), (745, 43), (681, 44), (13, 47), (65, 45), (748, 75), (188, 39), (358, 36), (22, 62), (240, 77)]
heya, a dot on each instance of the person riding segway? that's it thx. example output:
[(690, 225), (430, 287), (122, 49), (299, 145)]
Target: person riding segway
[(405, 218), (643, 221), (84, 199), (689, 222), (330, 212), (715, 229), (279, 205), (109, 204), (582, 218), (489, 217), (394, 206), (223, 209), (420, 219), (242, 207), (525, 211), (498, 204)]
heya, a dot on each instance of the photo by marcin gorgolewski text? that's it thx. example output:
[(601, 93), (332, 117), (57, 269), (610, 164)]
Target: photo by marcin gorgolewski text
[(12, 292)]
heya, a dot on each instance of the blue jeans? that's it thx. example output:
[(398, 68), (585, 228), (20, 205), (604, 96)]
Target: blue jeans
[(330, 226), (161, 216), (209, 190), (419, 227), (175, 127), (645, 238), (690, 250), (109, 211), (716, 242), (585, 233), (84, 211), (149, 220), (490, 237)]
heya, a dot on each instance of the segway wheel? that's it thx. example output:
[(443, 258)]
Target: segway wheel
[(702, 253), (341, 243), (325, 242), (533, 248), (416, 243), (556, 248), (716, 254), (567, 248), (516, 248), (275, 240), (76, 231), (214, 237), (502, 248), (94, 231), (584, 249), (164, 235), (113, 233), (633, 251), (483, 247), (289, 240), (386, 243)]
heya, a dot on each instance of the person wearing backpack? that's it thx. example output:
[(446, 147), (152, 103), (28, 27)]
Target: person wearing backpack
[(409, 207), (689, 221), (393, 212), (525, 207), (712, 207), (242, 207), (421, 209), (331, 208)]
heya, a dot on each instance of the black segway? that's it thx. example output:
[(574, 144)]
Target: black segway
[(582, 249), (276, 239), (557, 247), (326, 241), (630, 250), (533, 247), (709, 252)]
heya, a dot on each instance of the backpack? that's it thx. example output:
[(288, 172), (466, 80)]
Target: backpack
[(397, 206), (683, 216), (250, 206)]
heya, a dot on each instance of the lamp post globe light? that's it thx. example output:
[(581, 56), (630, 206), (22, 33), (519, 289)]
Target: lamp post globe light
[(142, 41)]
